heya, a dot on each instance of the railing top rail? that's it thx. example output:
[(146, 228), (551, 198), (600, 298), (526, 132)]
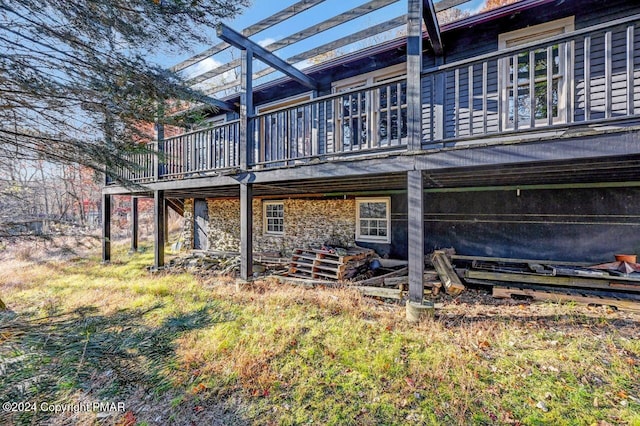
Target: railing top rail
[(528, 46), (204, 129), (335, 96)]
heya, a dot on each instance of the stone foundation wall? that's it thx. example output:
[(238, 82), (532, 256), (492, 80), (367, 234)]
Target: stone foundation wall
[(224, 224), (187, 226), (307, 222)]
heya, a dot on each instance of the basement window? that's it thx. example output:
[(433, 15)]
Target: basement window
[(273, 213), (373, 220)]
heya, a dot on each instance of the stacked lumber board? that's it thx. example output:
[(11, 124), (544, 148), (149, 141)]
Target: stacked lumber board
[(553, 280), (318, 263)]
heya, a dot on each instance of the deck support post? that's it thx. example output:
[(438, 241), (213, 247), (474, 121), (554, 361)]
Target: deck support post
[(414, 79), (416, 309), (246, 231), (246, 108), (159, 228), (134, 225), (106, 228)]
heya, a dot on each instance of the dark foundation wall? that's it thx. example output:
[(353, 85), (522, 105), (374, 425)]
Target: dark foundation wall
[(569, 224)]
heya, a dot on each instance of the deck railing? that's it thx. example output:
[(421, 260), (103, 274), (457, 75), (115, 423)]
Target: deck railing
[(200, 152), (138, 167), (587, 76), (350, 122)]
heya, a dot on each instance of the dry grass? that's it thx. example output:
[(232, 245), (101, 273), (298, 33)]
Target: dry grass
[(183, 351)]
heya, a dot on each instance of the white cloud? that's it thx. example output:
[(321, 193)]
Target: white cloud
[(267, 41), (201, 67)]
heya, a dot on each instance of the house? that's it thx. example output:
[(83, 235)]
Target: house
[(513, 132)]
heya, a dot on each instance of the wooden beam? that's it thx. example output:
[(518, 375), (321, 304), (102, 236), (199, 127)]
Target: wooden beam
[(134, 224), (159, 220), (415, 223), (448, 4), (433, 28), (106, 228), (304, 34), (246, 231), (447, 274), (414, 76), (241, 42), (325, 48), (262, 25)]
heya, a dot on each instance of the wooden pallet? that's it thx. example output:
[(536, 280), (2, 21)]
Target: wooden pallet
[(324, 264), (546, 295)]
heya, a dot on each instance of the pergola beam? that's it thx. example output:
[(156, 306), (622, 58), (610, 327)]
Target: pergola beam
[(217, 103), (241, 42), (433, 28)]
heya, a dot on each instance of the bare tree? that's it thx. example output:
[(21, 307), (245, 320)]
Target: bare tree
[(74, 78)]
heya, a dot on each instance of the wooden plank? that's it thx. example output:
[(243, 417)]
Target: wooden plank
[(515, 260), (392, 263), (301, 280), (238, 40), (260, 26), (453, 285), (415, 225), (379, 280), (386, 293), (508, 292), (566, 281), (246, 231)]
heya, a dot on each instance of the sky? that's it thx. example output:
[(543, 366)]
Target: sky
[(261, 9)]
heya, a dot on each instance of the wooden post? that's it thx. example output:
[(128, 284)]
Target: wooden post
[(134, 225), (415, 196), (414, 79), (106, 228), (166, 221), (159, 224), (246, 231), (246, 108), (159, 163)]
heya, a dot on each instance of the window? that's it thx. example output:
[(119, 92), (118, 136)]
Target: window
[(373, 220), (273, 217), (372, 118), (535, 81)]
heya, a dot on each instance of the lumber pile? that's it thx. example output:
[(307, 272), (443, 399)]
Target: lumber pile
[(613, 284), (329, 263), (207, 262)]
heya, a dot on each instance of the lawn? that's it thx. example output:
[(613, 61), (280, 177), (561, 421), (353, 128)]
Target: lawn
[(158, 349)]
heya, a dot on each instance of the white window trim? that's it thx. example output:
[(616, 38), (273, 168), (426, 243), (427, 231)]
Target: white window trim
[(529, 35), (362, 81), (265, 227), (369, 238), (291, 101), (216, 120)]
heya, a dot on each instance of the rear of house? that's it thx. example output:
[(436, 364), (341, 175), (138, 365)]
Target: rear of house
[(508, 133)]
